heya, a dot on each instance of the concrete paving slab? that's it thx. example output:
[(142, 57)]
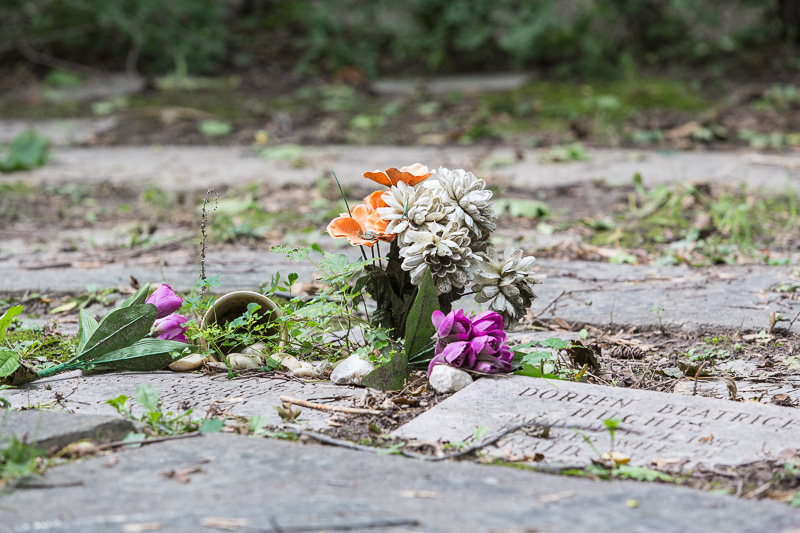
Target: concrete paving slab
[(52, 429), (653, 427), (711, 299), (59, 132), (246, 396), (268, 485), (202, 167)]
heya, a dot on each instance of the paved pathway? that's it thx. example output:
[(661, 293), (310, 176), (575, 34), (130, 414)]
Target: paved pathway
[(269, 485), (202, 167)]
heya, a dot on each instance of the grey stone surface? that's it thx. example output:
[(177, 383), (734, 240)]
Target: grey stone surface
[(281, 486), (247, 396), (201, 167), (727, 298), (51, 429), (58, 131), (653, 426)]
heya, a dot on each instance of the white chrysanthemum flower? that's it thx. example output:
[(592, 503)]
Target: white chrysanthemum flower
[(442, 249), (467, 200), (507, 285), (410, 208)]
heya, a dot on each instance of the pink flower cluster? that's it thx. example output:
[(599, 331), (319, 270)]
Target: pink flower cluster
[(471, 343), (168, 325)]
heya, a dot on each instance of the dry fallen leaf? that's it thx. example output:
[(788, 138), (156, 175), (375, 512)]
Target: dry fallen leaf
[(79, 449), (227, 524), (556, 497)]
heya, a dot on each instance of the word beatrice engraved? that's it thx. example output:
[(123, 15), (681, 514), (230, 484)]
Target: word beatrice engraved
[(652, 425)]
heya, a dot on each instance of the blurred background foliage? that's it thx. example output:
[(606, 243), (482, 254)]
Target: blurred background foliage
[(569, 37)]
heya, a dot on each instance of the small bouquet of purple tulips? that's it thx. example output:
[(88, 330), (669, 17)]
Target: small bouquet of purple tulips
[(471, 343)]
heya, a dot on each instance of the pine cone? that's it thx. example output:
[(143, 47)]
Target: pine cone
[(467, 201), (442, 249), (507, 285)]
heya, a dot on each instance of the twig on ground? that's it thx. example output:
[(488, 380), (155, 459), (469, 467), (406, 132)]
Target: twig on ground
[(121, 443), (59, 64), (422, 457), (22, 484), (334, 408), (789, 327), (697, 375), (552, 303)]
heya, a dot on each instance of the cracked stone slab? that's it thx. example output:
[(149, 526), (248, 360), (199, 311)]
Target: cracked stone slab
[(246, 396), (52, 429), (276, 486), (188, 168), (653, 427)]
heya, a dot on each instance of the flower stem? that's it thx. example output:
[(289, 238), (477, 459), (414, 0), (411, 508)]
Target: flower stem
[(53, 370)]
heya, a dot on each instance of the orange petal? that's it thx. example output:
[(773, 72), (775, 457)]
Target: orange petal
[(343, 226), (396, 176), (376, 224), (419, 179), (374, 201), (378, 177), (360, 213)]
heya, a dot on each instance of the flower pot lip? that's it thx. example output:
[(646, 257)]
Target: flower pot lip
[(253, 296)]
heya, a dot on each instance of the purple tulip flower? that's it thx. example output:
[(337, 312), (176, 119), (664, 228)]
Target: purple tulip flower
[(454, 326), (170, 328), (165, 300), (471, 343)]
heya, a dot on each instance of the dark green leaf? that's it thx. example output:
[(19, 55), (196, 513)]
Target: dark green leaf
[(554, 343), (27, 151), (147, 396), (87, 325), (137, 298), (7, 317), (537, 358), (391, 375), (118, 329), (9, 362), (419, 328), (145, 355), (212, 425), (534, 372)]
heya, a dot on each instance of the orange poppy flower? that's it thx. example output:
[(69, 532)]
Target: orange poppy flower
[(411, 175), (363, 226)]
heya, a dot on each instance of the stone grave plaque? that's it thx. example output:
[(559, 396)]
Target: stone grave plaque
[(246, 396), (654, 428)]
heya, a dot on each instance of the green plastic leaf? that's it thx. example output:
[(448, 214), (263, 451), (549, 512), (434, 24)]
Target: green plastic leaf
[(7, 317), (137, 298), (147, 396), (212, 425), (9, 362), (87, 325), (391, 375), (419, 328), (118, 329), (146, 355)]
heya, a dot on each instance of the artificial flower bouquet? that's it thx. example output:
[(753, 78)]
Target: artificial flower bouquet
[(437, 226)]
